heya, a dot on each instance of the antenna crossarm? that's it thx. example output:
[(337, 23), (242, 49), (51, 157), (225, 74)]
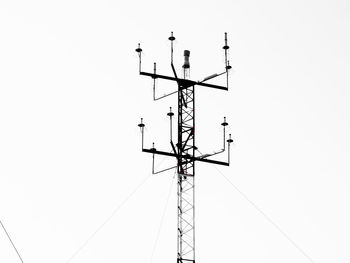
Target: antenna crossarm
[(184, 83), (187, 157)]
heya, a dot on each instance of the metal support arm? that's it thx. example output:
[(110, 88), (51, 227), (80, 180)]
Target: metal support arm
[(187, 157)]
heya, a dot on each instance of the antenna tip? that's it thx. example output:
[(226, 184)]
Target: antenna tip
[(141, 125), (171, 38), (153, 149), (226, 46), (138, 49), (224, 123)]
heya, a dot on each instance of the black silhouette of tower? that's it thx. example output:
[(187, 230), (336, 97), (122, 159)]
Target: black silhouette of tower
[(185, 149)]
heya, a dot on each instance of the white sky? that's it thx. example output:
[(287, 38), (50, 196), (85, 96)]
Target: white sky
[(71, 97)]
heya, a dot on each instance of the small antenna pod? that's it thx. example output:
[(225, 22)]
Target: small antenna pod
[(187, 59)]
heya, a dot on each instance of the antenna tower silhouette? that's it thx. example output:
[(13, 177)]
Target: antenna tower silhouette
[(185, 149)]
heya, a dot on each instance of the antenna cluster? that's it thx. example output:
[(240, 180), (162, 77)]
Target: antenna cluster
[(185, 149)]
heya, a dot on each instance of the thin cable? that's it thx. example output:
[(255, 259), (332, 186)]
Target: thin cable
[(11, 241), (115, 210), (267, 218), (162, 219)]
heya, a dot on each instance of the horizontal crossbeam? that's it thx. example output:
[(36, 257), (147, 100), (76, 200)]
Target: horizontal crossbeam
[(185, 83), (188, 157)]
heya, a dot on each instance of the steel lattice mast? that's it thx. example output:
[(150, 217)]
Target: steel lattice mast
[(185, 171), (185, 149)]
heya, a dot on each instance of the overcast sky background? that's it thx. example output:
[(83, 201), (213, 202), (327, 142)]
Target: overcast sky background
[(70, 148)]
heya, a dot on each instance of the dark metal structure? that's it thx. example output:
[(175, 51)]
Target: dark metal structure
[(185, 149)]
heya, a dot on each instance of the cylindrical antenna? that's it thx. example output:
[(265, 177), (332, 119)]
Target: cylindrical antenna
[(186, 64), (154, 80), (224, 124), (172, 38), (227, 63), (226, 47), (142, 126), (153, 149), (187, 59), (229, 141), (171, 114), (139, 50)]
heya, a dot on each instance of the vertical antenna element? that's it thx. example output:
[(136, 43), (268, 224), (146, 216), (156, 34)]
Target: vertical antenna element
[(154, 80), (226, 47), (142, 126), (224, 124), (172, 38), (139, 50), (171, 114), (227, 63), (229, 141)]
